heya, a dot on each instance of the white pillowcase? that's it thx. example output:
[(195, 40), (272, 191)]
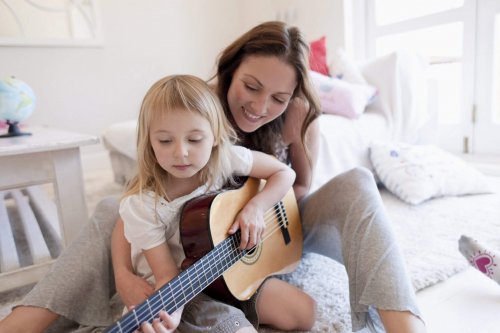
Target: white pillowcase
[(345, 68), (402, 85), (416, 173), (341, 97)]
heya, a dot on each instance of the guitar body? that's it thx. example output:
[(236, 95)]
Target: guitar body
[(214, 263), (204, 224)]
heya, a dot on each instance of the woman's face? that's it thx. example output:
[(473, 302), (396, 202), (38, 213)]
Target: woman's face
[(260, 91)]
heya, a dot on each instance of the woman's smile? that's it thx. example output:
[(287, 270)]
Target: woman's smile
[(250, 116)]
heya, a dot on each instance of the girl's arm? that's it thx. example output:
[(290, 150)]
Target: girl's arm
[(140, 227), (279, 179), (164, 269), (162, 264), (132, 288)]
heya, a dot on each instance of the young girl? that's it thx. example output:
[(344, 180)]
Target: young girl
[(185, 150)]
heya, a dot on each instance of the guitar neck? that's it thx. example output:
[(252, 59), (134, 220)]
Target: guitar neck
[(184, 287)]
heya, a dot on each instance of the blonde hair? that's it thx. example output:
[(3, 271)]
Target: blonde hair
[(192, 94)]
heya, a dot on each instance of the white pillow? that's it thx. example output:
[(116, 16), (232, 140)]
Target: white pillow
[(416, 173), (345, 68), (340, 97), (402, 85)]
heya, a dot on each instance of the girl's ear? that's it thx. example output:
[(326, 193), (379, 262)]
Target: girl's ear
[(215, 143)]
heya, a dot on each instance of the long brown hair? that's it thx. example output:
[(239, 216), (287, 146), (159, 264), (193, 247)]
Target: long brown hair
[(286, 43)]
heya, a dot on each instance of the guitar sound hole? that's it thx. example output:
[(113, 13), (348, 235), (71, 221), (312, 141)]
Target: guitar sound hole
[(252, 255)]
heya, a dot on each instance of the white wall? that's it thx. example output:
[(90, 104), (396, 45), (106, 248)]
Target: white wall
[(86, 89), (316, 18)]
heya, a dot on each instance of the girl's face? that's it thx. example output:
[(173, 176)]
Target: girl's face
[(182, 142), (260, 91)]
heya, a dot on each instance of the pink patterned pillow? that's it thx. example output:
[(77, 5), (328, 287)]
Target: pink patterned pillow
[(340, 97)]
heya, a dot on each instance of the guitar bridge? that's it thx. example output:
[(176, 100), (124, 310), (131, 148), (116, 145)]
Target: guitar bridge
[(283, 221)]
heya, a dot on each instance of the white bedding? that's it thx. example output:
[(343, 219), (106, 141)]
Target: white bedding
[(121, 138), (397, 113), (344, 144)]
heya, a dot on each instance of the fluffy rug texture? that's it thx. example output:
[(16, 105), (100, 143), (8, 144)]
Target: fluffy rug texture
[(427, 234)]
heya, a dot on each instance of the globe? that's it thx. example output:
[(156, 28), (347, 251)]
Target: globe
[(17, 102)]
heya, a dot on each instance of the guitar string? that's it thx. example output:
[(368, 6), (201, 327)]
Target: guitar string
[(175, 293), (156, 302), (272, 212), (224, 249), (125, 323)]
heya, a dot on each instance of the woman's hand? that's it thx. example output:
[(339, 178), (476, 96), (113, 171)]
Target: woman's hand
[(250, 221), (164, 324), (132, 289)]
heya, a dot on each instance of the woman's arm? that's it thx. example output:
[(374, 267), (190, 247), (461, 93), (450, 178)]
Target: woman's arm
[(279, 179), (301, 164), (131, 288)]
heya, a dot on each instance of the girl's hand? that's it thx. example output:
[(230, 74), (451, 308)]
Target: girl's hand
[(250, 221), (132, 289), (164, 324)]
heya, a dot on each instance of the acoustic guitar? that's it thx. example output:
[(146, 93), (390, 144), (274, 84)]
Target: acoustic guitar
[(214, 263)]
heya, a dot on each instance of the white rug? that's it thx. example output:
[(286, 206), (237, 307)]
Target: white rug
[(427, 233), (428, 236)]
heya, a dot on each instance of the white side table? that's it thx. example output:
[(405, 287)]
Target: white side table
[(47, 156)]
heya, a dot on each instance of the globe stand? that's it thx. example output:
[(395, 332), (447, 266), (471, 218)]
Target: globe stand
[(13, 130)]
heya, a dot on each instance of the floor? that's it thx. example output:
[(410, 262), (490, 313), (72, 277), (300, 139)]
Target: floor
[(468, 302)]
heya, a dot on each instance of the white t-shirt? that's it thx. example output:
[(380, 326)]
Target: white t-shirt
[(144, 231)]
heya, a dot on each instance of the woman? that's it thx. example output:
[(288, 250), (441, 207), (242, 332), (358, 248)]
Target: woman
[(263, 84), (265, 90)]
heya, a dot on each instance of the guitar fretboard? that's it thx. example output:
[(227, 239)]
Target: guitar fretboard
[(185, 286)]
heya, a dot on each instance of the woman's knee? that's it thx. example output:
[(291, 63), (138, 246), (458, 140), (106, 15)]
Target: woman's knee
[(285, 307), (356, 176), (355, 184), (106, 214), (308, 313)]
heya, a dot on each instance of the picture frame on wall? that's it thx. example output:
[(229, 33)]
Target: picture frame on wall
[(50, 23)]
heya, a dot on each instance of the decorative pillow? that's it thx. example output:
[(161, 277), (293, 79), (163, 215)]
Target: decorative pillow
[(416, 173), (317, 56), (402, 86), (345, 68), (340, 97)]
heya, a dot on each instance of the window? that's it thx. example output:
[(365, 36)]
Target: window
[(496, 83), (391, 11), (461, 39)]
